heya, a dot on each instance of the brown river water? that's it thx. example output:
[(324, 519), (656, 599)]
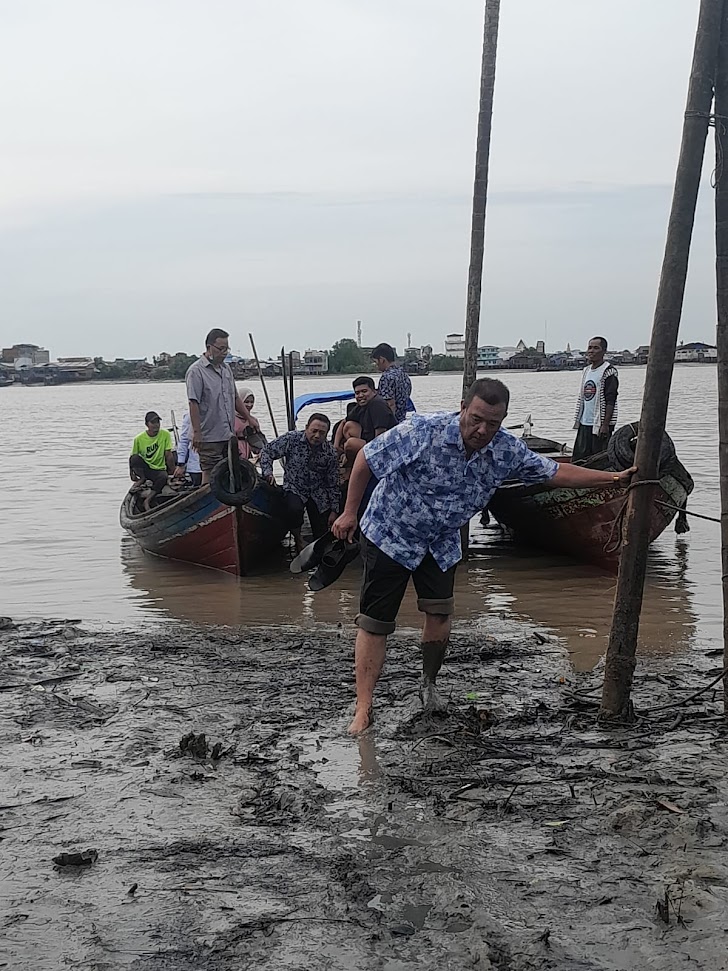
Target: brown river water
[(63, 554)]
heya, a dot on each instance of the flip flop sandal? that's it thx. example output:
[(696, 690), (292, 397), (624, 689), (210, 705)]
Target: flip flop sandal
[(333, 563), (310, 557)]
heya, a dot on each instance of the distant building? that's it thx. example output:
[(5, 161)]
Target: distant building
[(696, 352), (529, 359), (488, 356), (455, 345), (641, 354), (506, 353), (621, 357), (25, 355), (558, 361), (63, 371), (316, 362), (74, 368), (540, 347), (417, 359)]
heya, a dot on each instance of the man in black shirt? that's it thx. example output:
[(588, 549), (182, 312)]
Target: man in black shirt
[(371, 418)]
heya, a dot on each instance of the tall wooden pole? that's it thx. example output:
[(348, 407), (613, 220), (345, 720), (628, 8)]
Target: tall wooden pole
[(265, 389), (480, 191), (721, 273), (616, 704)]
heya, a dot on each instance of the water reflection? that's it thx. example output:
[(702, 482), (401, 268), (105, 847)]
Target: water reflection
[(499, 586)]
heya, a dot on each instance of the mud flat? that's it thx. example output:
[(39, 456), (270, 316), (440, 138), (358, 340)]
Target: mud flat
[(510, 834)]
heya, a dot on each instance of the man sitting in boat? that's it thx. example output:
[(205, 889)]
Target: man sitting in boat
[(596, 406), (372, 417), (310, 479), (152, 457), (188, 461)]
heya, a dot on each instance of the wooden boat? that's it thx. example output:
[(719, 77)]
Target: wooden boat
[(197, 528), (584, 523)]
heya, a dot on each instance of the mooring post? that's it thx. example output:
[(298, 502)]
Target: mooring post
[(616, 704), (480, 191), (721, 276)]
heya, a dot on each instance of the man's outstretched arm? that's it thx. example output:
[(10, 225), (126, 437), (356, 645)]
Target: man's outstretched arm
[(570, 476)]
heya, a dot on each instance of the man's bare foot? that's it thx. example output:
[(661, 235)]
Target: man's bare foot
[(432, 701), (361, 721)]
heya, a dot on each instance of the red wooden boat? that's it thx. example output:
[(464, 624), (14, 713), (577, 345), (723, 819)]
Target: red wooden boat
[(586, 523), (197, 528)]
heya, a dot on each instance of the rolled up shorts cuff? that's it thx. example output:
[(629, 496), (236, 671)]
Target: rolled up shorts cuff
[(446, 606), (374, 626)]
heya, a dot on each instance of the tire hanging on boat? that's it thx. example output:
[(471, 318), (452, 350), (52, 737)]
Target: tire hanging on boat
[(621, 451), (233, 481), (623, 443)]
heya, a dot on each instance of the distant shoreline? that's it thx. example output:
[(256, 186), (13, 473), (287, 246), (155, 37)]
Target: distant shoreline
[(328, 377)]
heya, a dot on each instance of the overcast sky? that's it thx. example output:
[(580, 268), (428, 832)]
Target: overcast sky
[(287, 167)]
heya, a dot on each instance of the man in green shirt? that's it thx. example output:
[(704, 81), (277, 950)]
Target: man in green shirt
[(152, 456)]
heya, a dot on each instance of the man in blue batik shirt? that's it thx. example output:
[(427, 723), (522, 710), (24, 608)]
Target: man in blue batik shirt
[(435, 473)]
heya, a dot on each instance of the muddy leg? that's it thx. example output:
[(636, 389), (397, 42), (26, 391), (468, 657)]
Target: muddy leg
[(435, 638), (369, 661)]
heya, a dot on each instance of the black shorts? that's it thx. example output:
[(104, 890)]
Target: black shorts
[(385, 581)]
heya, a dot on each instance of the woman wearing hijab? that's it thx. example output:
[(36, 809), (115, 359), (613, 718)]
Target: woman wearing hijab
[(247, 431)]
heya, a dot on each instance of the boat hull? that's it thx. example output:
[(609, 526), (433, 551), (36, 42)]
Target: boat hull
[(583, 523), (197, 528)]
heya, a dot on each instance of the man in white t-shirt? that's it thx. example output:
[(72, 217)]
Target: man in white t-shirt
[(596, 406)]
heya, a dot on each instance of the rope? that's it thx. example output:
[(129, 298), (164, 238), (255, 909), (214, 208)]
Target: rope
[(688, 512), (713, 121), (615, 534)]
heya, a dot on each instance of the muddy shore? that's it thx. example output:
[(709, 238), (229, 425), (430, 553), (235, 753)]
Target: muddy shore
[(510, 834)]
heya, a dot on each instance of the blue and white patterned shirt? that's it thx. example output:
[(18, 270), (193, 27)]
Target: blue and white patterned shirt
[(395, 385), (430, 488)]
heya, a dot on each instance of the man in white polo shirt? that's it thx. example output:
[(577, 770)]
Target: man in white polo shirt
[(596, 406)]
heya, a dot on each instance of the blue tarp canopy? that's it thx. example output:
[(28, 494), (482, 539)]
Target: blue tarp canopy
[(322, 397)]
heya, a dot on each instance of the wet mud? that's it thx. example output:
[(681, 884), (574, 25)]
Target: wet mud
[(223, 820)]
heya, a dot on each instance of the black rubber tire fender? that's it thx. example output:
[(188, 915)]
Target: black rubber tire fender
[(623, 443), (224, 489)]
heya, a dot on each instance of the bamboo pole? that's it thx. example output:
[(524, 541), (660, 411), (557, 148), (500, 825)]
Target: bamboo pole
[(480, 191), (721, 274), (286, 392), (616, 704), (265, 390), (292, 422)]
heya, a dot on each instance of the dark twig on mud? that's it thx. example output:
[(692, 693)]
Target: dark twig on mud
[(34, 684), (692, 697), (511, 794), (443, 736)]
